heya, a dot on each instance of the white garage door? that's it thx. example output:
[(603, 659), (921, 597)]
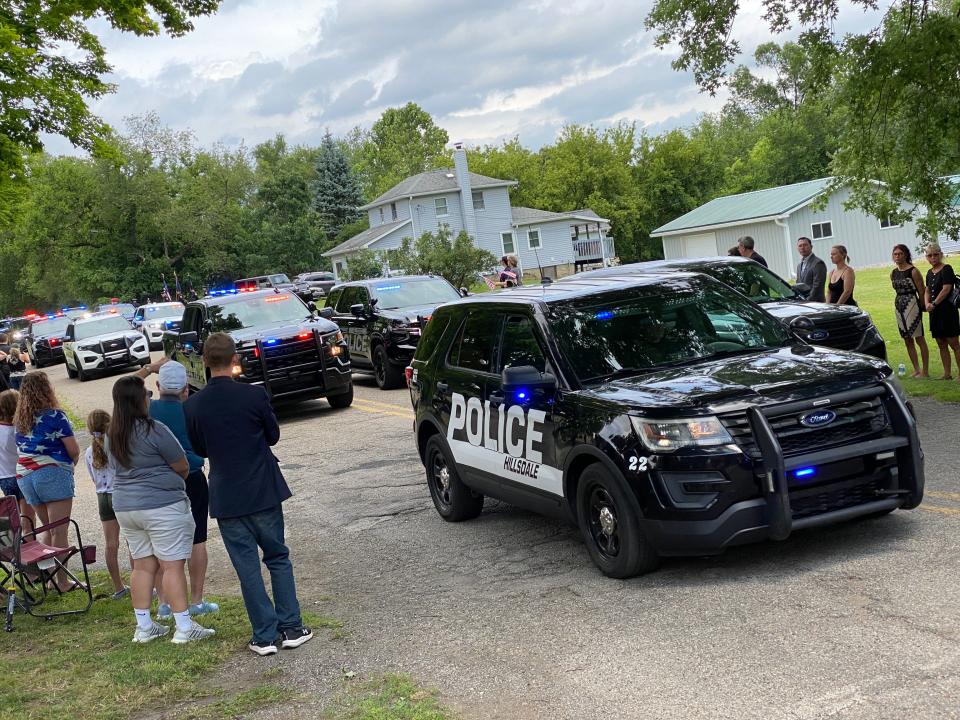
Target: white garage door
[(697, 246)]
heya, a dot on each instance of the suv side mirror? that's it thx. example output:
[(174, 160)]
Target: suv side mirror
[(68, 335), (312, 306), (188, 338), (357, 310), (464, 292), (523, 380), (326, 312)]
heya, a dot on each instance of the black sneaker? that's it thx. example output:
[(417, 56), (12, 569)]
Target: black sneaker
[(263, 647), (296, 638)]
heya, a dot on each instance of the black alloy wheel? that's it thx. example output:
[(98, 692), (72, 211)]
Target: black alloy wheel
[(387, 376), (454, 500), (610, 521)]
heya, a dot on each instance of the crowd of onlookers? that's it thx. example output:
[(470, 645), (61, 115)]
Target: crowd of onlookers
[(146, 459), (936, 294)]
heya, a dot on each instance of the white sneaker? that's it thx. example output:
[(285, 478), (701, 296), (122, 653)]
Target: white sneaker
[(195, 632), (152, 633)]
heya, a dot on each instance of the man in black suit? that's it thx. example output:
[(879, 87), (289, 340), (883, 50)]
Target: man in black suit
[(811, 271), (233, 425)]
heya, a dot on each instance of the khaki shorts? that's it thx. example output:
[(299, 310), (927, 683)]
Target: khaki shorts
[(164, 532)]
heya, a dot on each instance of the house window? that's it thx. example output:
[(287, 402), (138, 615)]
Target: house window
[(340, 269), (506, 238), (478, 200), (381, 216), (886, 223), (441, 205), (822, 230), (533, 239), (393, 211)]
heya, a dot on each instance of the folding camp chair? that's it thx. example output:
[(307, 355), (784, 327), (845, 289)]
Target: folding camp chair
[(27, 566)]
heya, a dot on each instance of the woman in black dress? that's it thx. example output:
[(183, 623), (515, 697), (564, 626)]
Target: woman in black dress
[(944, 317), (908, 284), (842, 278)]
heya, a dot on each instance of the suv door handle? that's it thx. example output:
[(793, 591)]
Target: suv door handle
[(496, 398), (442, 387)]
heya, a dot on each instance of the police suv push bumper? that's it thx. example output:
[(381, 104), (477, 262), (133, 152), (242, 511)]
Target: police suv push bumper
[(771, 516), (303, 366)]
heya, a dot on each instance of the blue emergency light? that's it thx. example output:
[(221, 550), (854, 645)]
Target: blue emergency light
[(604, 315), (804, 472), (270, 341)]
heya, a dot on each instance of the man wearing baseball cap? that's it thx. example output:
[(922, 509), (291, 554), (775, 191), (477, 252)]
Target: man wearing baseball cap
[(168, 409)]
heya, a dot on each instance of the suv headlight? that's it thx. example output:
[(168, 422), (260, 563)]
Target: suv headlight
[(670, 435), (88, 348), (862, 321)]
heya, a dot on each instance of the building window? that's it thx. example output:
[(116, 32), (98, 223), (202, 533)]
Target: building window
[(478, 200), (381, 216), (506, 238), (886, 223), (822, 230), (340, 269), (441, 206), (393, 211), (533, 239)]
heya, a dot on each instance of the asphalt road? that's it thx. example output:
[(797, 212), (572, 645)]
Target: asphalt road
[(508, 618)]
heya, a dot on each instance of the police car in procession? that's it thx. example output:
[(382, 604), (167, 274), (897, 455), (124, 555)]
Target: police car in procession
[(382, 319), (154, 319), (666, 414), (43, 340), (104, 341), (282, 346)]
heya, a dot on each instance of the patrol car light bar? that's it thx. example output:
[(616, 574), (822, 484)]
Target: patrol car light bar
[(277, 298), (671, 435)]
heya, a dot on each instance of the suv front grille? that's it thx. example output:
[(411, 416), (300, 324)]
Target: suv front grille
[(855, 421), (816, 501), (842, 333), (288, 358), (113, 345)]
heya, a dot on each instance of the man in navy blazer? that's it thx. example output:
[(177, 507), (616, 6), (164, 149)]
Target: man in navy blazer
[(233, 425)]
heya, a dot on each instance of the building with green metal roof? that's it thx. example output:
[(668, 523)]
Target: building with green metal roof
[(775, 218)]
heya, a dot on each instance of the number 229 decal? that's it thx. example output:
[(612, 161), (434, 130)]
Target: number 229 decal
[(639, 464)]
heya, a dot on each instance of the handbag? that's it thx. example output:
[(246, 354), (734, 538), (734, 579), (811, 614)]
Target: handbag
[(954, 296)]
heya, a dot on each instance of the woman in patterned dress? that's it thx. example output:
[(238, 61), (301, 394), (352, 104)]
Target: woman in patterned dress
[(908, 284)]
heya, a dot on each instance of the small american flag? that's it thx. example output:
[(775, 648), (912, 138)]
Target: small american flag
[(489, 281)]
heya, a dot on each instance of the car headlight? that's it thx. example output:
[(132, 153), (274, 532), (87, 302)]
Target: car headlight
[(88, 348), (670, 435), (862, 321)]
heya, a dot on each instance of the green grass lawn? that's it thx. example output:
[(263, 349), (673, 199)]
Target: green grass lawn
[(875, 295)]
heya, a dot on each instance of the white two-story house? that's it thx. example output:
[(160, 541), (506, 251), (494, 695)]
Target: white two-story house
[(556, 243)]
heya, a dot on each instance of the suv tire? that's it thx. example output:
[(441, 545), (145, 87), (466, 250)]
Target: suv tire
[(71, 373), (388, 376), (341, 400), (453, 500), (81, 374), (609, 519)]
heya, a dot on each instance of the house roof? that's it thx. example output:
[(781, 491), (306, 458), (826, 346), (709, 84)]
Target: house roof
[(366, 238), (747, 207), (530, 216), (434, 181)]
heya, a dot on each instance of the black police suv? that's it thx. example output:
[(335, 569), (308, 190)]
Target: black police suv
[(843, 327), (665, 413), (44, 339), (281, 344), (383, 318)]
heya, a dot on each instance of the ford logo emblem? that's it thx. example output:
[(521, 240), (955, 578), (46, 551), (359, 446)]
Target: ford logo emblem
[(818, 418), (819, 335)]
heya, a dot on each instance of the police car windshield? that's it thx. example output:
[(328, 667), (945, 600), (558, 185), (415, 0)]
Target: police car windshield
[(752, 279), (53, 326), (256, 312), (100, 326), (163, 311), (122, 308), (392, 295), (672, 323)]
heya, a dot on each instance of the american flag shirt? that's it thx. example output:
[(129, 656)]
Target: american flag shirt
[(44, 445)]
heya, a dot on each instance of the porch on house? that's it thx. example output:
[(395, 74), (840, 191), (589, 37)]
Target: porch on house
[(591, 245)]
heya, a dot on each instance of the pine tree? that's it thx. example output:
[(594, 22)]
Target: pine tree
[(338, 193)]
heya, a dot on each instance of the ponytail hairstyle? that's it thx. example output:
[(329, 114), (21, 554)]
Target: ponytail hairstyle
[(843, 251), (98, 422), (129, 411)]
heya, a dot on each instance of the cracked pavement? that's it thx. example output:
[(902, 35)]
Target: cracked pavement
[(508, 618)]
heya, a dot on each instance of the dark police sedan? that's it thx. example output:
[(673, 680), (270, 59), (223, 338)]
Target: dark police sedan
[(44, 339), (843, 327), (664, 413), (382, 320)]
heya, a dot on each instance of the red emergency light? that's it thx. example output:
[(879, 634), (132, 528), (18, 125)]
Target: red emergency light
[(278, 298), (304, 336)]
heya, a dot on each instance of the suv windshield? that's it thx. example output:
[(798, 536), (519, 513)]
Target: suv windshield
[(53, 326), (256, 311), (391, 294), (162, 311), (110, 324), (750, 278), (624, 332)]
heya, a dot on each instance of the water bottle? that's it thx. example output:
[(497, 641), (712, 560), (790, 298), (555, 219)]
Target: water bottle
[(901, 370)]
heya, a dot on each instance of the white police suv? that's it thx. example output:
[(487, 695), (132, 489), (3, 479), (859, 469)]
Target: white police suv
[(102, 342), (154, 319)]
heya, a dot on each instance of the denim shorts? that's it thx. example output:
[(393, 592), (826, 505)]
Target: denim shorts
[(10, 487), (48, 484)]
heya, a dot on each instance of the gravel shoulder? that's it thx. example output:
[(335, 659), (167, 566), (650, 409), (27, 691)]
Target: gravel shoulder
[(508, 618)]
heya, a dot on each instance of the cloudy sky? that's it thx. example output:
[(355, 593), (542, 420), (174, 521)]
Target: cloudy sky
[(486, 71)]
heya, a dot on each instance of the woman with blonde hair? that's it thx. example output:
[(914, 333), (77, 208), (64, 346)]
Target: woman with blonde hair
[(944, 318), (47, 453), (842, 278)]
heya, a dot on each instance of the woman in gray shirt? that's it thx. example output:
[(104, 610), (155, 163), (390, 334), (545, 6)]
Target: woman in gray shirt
[(150, 501)]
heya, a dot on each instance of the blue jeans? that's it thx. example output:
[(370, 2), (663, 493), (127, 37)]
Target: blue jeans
[(244, 537)]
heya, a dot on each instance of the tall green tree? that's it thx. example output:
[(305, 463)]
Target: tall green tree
[(52, 65), (895, 91), (402, 142), (337, 190)]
